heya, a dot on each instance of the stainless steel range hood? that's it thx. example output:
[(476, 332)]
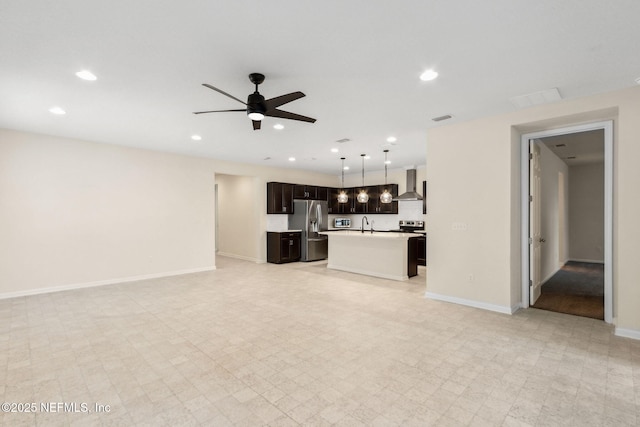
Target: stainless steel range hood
[(411, 193)]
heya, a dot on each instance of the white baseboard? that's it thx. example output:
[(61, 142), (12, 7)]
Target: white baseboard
[(70, 287), (627, 333), (473, 303), (242, 257)]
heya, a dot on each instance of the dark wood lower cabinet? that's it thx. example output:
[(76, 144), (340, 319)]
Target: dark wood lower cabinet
[(422, 250), (417, 254), (283, 246), (412, 267)]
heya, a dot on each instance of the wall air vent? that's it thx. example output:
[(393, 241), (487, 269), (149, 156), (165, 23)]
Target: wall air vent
[(441, 118), (561, 145)]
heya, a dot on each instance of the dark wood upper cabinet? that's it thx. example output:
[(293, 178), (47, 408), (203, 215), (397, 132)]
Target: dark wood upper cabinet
[(336, 207), (388, 208), (322, 193), (309, 192), (279, 198)]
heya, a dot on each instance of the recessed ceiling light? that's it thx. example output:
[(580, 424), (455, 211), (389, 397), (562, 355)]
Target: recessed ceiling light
[(57, 110), (346, 168), (367, 157), (428, 75), (278, 126), (334, 150), (292, 159), (86, 75), (387, 162), (392, 139), (196, 137)]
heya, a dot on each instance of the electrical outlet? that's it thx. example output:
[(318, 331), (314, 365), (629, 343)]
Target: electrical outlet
[(471, 278)]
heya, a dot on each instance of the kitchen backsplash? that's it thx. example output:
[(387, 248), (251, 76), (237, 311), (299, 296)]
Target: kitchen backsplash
[(410, 210), (277, 222)]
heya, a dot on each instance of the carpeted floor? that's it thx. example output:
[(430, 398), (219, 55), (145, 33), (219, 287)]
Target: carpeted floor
[(578, 289)]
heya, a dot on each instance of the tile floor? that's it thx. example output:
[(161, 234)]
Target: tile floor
[(297, 344)]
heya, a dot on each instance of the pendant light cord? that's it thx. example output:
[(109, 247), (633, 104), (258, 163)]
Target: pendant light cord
[(385, 166)]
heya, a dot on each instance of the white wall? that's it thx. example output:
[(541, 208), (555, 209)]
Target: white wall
[(550, 168), (238, 221), (76, 213), (586, 212), (474, 178)]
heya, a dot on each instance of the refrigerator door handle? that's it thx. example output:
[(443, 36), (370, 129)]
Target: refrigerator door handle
[(319, 216)]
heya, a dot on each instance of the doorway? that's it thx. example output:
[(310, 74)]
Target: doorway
[(565, 256)]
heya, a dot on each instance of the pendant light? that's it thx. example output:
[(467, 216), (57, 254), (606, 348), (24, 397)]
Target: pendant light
[(342, 196), (385, 197), (363, 197)]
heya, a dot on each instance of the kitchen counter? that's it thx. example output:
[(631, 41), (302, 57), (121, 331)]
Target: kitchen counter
[(381, 253)]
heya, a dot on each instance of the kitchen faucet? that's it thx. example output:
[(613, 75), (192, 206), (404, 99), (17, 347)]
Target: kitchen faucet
[(364, 218)]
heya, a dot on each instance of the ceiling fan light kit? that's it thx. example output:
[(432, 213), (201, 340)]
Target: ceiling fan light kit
[(257, 108)]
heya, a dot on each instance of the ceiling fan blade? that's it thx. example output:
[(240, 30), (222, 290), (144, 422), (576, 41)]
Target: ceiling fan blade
[(287, 115), (256, 124), (223, 92), (219, 111), (281, 100)]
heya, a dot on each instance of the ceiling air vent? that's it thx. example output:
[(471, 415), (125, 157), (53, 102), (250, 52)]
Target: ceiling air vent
[(441, 118), (343, 140), (536, 98)]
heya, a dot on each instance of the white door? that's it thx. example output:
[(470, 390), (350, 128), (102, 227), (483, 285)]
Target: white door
[(535, 240)]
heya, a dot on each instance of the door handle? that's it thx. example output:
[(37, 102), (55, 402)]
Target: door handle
[(541, 240)]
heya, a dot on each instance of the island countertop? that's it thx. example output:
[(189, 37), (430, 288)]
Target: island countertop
[(382, 234)]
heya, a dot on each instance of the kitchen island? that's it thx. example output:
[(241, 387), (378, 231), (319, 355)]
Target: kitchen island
[(379, 254)]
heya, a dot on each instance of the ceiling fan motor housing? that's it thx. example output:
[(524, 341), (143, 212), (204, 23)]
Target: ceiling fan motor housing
[(256, 104)]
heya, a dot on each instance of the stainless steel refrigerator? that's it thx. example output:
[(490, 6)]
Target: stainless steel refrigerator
[(311, 216)]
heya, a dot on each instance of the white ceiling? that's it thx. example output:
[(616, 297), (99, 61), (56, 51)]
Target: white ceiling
[(357, 61), (578, 148)]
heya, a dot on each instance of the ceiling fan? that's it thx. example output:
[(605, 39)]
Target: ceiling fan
[(258, 107)]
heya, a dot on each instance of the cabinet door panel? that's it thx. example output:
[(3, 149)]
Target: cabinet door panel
[(322, 193), (279, 198), (388, 208)]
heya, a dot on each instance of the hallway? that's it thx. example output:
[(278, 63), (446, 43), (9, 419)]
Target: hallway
[(577, 288)]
